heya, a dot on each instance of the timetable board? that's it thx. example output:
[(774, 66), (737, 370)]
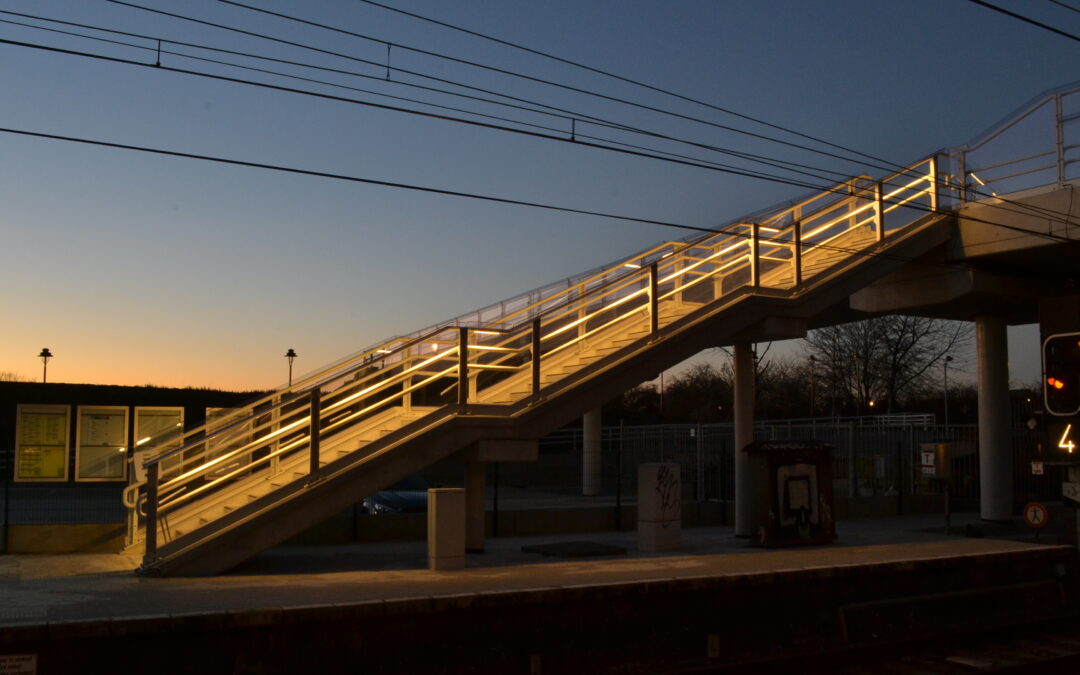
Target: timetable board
[(42, 447)]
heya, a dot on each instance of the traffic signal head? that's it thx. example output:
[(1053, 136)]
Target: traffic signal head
[(1061, 372)]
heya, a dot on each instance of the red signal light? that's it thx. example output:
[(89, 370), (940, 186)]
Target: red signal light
[(1055, 383)]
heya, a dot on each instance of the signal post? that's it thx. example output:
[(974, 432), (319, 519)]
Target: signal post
[(1059, 327)]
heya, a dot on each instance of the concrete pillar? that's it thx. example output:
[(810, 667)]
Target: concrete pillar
[(744, 435), (995, 434), (475, 506), (446, 529), (590, 457), (659, 507)]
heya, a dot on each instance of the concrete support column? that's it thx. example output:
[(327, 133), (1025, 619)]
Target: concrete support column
[(475, 506), (590, 456), (995, 435), (744, 435)]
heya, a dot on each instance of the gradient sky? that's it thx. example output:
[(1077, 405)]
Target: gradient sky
[(140, 269)]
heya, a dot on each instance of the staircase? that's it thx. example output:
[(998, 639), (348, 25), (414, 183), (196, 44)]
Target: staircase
[(512, 371)]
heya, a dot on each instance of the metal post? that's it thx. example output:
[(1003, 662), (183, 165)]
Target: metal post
[(654, 314), (313, 435), (961, 170), (536, 358), (755, 266), (618, 480), (700, 465), (879, 211), (796, 257), (495, 500), (935, 188), (853, 203), (744, 436), (463, 366), (7, 504), (151, 513), (853, 475), (1060, 145)]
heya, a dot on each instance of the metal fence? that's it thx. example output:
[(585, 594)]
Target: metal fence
[(869, 459)]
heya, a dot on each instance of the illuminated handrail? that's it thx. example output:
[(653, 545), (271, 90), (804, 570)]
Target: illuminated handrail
[(286, 431)]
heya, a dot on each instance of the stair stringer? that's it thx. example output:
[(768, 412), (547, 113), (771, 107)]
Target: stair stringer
[(447, 431)]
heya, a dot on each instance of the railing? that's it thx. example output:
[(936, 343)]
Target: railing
[(513, 357), (1035, 146)]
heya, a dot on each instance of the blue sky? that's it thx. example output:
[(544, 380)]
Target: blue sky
[(141, 269)]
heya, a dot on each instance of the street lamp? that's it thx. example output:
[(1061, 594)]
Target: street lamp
[(812, 360), (290, 355), (45, 355), (945, 375)]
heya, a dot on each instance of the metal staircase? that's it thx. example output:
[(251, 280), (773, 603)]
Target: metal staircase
[(220, 493)]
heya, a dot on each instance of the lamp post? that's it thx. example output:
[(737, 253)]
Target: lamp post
[(812, 360), (945, 375), (45, 355), (290, 355)]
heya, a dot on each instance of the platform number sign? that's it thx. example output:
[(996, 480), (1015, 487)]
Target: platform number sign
[(1061, 374)]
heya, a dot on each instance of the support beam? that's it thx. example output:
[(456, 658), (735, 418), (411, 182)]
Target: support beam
[(475, 503), (590, 456), (744, 435), (995, 439)]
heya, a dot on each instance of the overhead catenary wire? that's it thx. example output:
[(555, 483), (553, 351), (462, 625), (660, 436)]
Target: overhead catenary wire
[(630, 151), (1059, 3), (888, 165), (158, 66), (563, 114), (627, 80), (1021, 17), (418, 74), (499, 200), (780, 164)]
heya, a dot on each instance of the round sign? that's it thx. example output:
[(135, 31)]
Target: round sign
[(1035, 515)]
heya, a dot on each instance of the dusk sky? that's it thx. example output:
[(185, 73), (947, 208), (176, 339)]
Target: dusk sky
[(145, 269)]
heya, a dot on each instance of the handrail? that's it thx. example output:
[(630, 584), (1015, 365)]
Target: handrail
[(387, 378)]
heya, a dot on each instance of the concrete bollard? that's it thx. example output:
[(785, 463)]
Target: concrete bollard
[(446, 529), (659, 507)]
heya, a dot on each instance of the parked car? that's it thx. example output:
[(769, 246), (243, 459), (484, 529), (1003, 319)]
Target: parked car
[(406, 496)]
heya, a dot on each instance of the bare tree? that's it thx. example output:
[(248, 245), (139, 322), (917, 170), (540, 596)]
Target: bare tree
[(887, 359), (9, 376)]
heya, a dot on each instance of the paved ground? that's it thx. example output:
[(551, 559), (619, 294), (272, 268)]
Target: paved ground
[(38, 588)]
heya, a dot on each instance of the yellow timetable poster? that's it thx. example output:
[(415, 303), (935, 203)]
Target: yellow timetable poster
[(43, 443)]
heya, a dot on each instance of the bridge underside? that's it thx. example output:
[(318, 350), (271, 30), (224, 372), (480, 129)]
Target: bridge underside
[(1003, 258)]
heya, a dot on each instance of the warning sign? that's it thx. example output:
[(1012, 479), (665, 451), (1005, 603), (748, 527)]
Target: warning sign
[(1035, 515), (1037, 469), (18, 664)]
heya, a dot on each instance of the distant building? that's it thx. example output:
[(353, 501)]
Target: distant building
[(65, 456)]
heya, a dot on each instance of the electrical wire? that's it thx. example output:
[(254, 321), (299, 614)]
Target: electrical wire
[(491, 198), (568, 115), (418, 74), (626, 148), (780, 164), (628, 80), (1059, 3), (514, 74), (1021, 17)]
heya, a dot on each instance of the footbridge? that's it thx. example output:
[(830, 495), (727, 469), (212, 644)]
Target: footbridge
[(979, 232)]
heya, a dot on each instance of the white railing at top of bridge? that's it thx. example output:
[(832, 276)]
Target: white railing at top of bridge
[(652, 285), (1035, 146)]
